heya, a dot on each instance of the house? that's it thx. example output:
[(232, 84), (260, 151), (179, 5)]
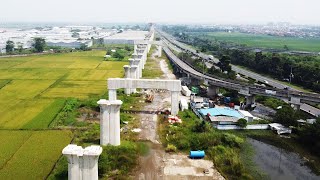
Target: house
[(223, 115)]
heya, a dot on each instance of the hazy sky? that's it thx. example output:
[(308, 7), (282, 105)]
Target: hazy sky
[(181, 11)]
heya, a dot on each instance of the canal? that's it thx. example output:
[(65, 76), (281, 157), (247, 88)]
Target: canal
[(279, 164)]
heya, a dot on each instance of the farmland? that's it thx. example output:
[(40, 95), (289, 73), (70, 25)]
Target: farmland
[(265, 41), (33, 90)]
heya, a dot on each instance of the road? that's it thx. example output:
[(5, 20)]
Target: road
[(177, 46)]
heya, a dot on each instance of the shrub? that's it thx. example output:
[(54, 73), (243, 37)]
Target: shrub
[(242, 123), (171, 148)]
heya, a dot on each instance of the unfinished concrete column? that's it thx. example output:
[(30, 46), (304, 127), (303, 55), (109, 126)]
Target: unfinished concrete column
[(174, 102), (90, 162), (104, 123), (127, 74), (133, 73), (73, 153), (136, 62), (212, 91), (110, 122), (112, 94), (159, 51)]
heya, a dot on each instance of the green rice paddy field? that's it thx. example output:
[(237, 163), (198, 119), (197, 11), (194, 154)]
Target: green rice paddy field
[(33, 90), (265, 41)]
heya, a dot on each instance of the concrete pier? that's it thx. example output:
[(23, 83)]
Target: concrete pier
[(172, 85), (174, 102), (159, 51), (90, 162), (127, 74), (82, 163), (73, 153), (212, 91), (250, 100), (109, 122)]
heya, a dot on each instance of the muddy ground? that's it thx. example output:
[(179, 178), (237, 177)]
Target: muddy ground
[(158, 165)]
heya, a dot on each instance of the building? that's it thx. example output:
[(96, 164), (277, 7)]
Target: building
[(224, 115)]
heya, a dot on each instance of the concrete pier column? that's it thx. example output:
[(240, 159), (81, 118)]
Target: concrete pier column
[(175, 102), (127, 74), (112, 94), (250, 100), (90, 162), (73, 153), (110, 122), (135, 47), (212, 91), (159, 51), (133, 73), (104, 123), (136, 62)]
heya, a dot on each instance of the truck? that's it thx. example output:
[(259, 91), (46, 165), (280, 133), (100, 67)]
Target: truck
[(185, 91)]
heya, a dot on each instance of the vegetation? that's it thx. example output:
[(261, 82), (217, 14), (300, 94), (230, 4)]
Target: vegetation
[(9, 46), (242, 123), (221, 147), (266, 41), (45, 92), (152, 68), (303, 70), (26, 151), (39, 44)]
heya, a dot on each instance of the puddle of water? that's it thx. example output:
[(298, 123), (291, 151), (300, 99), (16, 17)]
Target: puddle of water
[(279, 164)]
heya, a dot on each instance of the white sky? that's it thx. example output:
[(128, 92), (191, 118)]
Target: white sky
[(172, 11)]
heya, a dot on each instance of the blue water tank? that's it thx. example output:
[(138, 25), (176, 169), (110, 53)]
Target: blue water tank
[(197, 154)]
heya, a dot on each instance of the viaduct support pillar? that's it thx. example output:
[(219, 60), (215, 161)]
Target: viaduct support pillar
[(90, 162), (133, 74), (73, 153), (174, 102), (212, 91), (250, 100), (110, 122), (82, 163), (159, 51), (127, 75), (112, 94)]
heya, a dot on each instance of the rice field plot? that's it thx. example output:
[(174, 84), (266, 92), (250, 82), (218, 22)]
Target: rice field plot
[(44, 118), (112, 65), (94, 75), (41, 63), (36, 156), (17, 116), (24, 89), (11, 141), (29, 73), (86, 63), (8, 64), (266, 41), (4, 82), (77, 89)]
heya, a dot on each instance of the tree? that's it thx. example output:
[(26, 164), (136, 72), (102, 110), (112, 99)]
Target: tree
[(242, 123), (9, 46), (286, 116), (39, 44)]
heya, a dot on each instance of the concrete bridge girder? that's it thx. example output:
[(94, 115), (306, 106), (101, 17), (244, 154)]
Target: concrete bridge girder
[(172, 85)]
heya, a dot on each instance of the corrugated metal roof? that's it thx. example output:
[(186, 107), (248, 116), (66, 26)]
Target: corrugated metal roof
[(221, 112)]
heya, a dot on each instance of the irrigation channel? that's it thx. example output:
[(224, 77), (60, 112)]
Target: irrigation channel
[(279, 164)]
